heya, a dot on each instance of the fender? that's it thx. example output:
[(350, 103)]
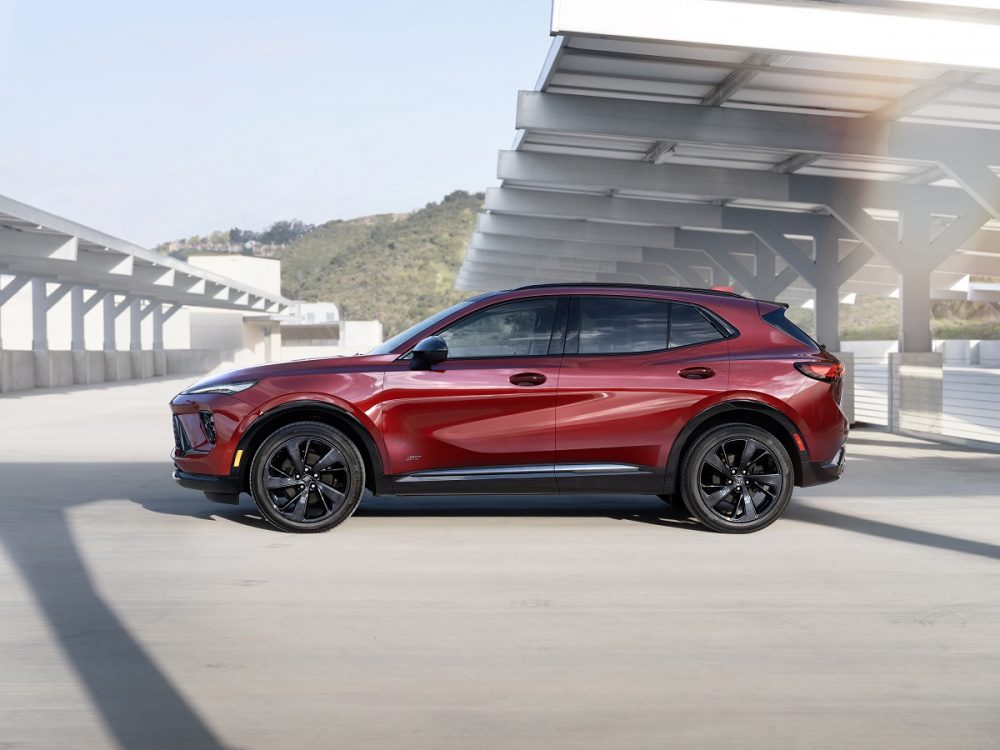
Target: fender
[(379, 482), (720, 409)]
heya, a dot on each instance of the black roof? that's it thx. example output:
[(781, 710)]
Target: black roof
[(654, 287)]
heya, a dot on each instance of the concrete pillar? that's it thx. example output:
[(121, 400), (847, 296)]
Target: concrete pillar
[(915, 308), (39, 316), (110, 343), (159, 355), (915, 279), (135, 325), (827, 285), (77, 312)]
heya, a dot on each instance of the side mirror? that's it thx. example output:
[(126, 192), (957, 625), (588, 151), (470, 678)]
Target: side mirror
[(429, 352)]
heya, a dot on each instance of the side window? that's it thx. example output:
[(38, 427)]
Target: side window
[(513, 329), (620, 325), (688, 325)]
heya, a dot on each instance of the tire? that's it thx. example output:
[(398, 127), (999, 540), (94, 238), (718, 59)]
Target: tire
[(737, 478), (315, 492)]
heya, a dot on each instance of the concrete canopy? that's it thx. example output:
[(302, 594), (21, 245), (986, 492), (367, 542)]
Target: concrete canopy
[(37, 244), (789, 159)]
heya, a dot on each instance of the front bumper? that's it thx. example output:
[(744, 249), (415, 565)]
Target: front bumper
[(220, 489), (821, 472)]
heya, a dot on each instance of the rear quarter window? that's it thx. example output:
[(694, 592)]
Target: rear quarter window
[(777, 319)]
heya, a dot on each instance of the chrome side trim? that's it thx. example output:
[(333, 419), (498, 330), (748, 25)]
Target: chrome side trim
[(597, 468), (519, 472)]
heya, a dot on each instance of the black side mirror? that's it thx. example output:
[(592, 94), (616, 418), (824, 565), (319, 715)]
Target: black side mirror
[(429, 352)]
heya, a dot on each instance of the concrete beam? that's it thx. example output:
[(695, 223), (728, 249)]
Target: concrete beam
[(781, 131), (580, 173)]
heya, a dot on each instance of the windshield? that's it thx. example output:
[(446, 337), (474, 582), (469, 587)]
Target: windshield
[(386, 347)]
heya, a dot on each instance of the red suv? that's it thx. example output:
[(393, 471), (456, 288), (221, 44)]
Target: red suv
[(573, 388)]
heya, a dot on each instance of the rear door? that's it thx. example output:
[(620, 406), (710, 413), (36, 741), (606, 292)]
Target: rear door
[(634, 371)]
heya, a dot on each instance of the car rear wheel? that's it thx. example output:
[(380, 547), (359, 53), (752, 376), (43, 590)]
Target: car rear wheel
[(737, 478), (307, 477)]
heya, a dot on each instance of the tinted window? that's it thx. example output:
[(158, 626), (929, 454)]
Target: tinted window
[(777, 319), (619, 325), (387, 346), (514, 329), (688, 325)]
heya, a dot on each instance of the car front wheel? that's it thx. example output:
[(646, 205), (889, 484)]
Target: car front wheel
[(737, 478), (307, 477)]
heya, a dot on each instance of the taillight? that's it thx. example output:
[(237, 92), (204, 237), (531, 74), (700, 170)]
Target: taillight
[(824, 371)]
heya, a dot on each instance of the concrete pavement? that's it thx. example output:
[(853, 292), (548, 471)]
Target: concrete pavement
[(137, 614)]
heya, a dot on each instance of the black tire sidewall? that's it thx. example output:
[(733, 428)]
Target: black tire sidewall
[(691, 466), (347, 448)]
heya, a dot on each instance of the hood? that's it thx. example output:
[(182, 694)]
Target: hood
[(357, 363)]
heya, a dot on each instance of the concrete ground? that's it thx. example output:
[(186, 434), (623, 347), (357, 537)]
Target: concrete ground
[(137, 614)]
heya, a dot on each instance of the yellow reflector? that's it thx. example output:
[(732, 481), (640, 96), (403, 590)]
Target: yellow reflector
[(236, 461)]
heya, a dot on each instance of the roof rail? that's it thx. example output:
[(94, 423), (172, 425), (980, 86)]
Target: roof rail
[(612, 285)]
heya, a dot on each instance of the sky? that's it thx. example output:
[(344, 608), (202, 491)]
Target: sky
[(161, 120)]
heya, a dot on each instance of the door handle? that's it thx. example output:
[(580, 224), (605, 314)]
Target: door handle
[(696, 373), (527, 378)]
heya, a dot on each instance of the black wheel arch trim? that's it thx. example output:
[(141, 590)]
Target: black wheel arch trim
[(379, 483), (694, 425)]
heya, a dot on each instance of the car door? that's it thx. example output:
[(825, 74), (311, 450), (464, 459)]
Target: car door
[(484, 419), (634, 371)]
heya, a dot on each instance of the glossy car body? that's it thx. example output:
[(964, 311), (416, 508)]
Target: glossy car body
[(559, 420)]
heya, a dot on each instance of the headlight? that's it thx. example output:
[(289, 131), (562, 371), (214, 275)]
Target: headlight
[(220, 388)]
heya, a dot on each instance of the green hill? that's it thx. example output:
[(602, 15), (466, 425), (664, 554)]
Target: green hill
[(396, 268)]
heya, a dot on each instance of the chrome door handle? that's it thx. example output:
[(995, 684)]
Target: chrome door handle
[(527, 378), (696, 373)]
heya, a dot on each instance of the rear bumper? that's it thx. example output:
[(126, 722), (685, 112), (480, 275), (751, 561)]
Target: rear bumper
[(821, 472), (214, 486)]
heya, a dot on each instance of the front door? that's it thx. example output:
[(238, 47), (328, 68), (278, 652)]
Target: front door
[(635, 370), (484, 419)]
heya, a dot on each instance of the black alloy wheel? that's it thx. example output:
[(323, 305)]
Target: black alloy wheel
[(737, 478), (307, 477)]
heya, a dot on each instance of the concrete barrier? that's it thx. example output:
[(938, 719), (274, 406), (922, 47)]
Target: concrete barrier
[(17, 370), (22, 370), (916, 393), (989, 353)]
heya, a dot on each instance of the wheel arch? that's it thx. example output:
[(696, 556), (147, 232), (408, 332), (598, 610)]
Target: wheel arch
[(750, 412), (298, 411)]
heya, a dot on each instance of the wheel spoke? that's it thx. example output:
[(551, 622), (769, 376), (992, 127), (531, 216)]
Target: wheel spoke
[(768, 483), (327, 492), (751, 449), (301, 503), (714, 498), (280, 483), (713, 460), (749, 509), (292, 447), (332, 456)]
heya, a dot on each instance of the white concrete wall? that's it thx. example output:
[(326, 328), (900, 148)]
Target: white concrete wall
[(260, 273)]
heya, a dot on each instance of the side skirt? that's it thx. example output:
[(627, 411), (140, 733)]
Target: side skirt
[(536, 479)]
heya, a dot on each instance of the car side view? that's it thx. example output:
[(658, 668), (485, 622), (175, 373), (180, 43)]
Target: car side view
[(704, 398)]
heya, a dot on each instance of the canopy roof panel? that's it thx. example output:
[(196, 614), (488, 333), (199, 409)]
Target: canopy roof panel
[(756, 105)]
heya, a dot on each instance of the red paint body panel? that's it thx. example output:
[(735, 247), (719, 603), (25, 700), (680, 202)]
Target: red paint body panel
[(618, 408)]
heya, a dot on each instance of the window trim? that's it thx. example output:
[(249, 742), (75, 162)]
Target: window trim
[(557, 333), (724, 327)]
